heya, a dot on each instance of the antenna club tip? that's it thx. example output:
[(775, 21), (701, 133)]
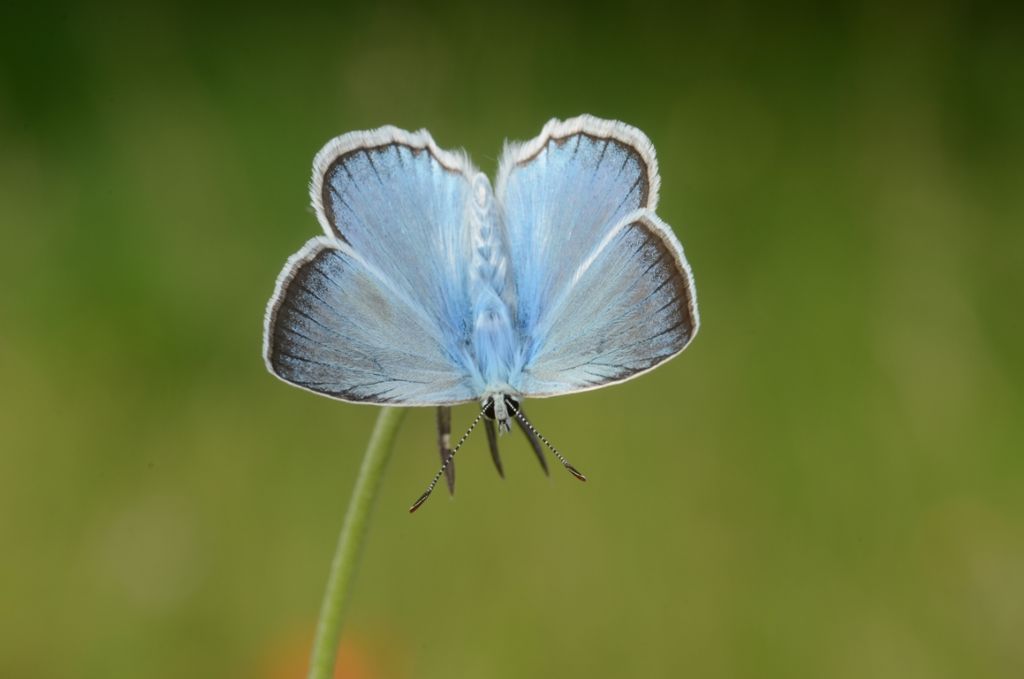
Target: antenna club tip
[(419, 503), (575, 472)]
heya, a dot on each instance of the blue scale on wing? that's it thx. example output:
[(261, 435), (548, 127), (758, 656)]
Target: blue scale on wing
[(604, 291), (402, 210), (339, 330), (379, 311), (430, 289)]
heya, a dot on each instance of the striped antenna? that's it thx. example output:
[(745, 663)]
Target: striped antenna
[(444, 465), (565, 463)]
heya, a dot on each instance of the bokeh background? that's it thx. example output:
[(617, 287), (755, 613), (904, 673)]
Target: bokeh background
[(828, 483)]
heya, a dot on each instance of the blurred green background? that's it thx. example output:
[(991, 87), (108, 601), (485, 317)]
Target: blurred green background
[(828, 483)]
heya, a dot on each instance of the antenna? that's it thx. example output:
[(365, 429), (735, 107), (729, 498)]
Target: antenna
[(565, 463), (447, 461)]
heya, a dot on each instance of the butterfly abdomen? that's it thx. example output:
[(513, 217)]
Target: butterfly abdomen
[(493, 339)]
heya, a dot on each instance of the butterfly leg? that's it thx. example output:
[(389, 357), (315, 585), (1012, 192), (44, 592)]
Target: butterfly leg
[(444, 444), (538, 449), (492, 441)]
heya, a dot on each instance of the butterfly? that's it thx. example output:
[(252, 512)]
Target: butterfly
[(433, 287)]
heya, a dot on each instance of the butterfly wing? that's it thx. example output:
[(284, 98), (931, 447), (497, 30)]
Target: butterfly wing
[(604, 291), (377, 310)]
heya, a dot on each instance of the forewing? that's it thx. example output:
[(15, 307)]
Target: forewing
[(604, 291), (336, 326), (399, 201), (561, 194)]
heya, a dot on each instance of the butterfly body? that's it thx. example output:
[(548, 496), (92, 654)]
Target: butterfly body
[(495, 340), (431, 286)]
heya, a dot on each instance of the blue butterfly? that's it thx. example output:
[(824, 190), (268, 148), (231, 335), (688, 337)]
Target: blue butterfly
[(430, 287)]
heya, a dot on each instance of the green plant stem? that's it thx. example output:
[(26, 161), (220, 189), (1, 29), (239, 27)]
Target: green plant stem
[(350, 542)]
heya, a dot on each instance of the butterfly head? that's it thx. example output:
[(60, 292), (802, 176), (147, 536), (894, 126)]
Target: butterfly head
[(501, 408)]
